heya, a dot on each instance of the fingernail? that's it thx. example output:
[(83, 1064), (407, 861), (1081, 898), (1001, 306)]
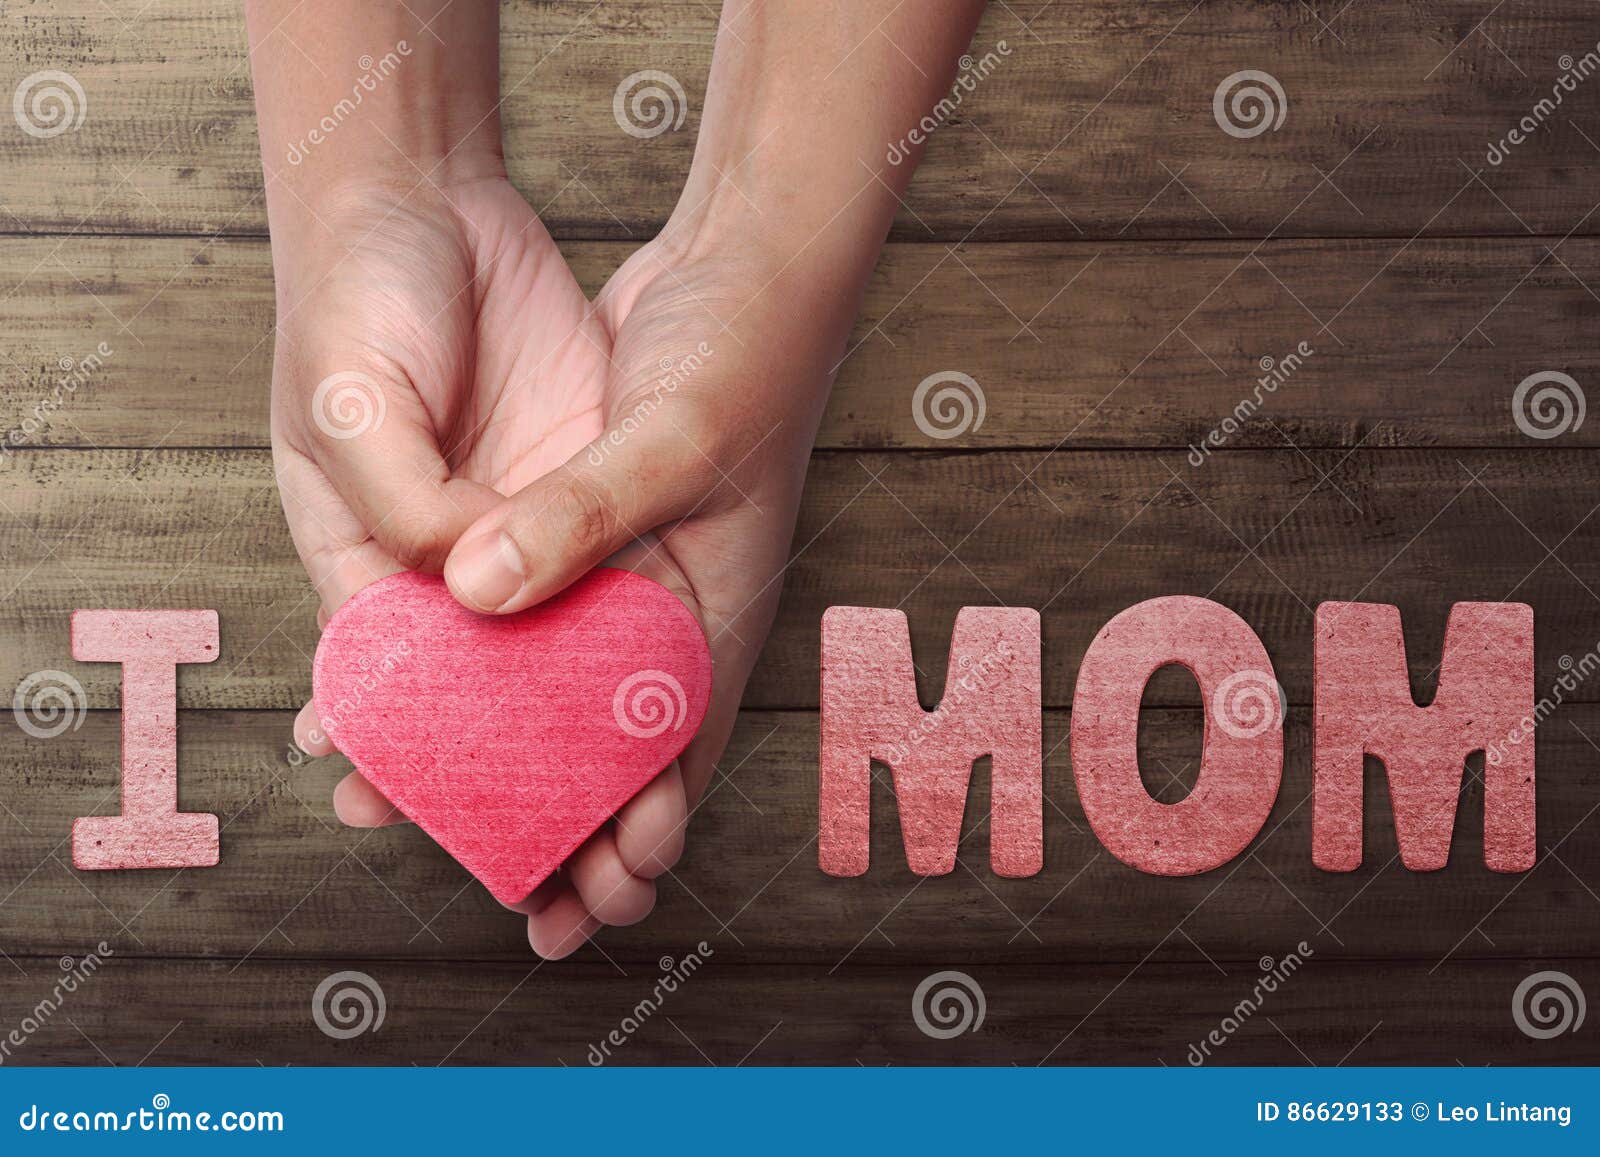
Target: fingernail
[(486, 572)]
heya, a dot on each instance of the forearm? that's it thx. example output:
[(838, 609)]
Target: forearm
[(371, 91), (809, 135)]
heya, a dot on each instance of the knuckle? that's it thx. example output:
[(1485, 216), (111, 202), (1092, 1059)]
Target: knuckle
[(415, 540), (584, 515)]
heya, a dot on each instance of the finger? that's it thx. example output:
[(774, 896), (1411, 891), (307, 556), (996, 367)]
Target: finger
[(360, 805), (609, 891), (376, 443), (558, 528), (732, 661), (651, 826), (308, 734), (541, 897), (562, 927)]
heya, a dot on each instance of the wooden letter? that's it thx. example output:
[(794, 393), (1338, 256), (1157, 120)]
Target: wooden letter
[(1241, 757), (870, 711), (1364, 707), (151, 832)]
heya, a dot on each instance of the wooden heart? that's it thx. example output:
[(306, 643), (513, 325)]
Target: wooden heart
[(510, 739)]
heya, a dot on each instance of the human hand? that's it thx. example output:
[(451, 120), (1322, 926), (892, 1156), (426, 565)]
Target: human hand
[(682, 403), (435, 354)]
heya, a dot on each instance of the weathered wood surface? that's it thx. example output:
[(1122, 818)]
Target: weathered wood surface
[(174, 1012), (1111, 298), (293, 882), (1078, 535), (1099, 123), (1086, 344)]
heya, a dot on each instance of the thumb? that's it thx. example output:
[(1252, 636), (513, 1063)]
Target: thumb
[(560, 527)]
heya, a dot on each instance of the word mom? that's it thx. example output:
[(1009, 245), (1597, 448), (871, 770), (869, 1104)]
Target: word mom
[(991, 707)]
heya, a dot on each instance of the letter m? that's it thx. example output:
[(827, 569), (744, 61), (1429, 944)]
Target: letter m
[(991, 707), (1364, 707)]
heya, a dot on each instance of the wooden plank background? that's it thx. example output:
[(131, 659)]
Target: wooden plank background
[(1085, 241)]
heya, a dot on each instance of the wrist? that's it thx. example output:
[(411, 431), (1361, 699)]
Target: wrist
[(403, 97), (782, 223)]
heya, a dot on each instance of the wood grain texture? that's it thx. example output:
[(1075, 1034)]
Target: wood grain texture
[(1078, 535), (1081, 239), (293, 882), (177, 1012), (1098, 124), (1082, 344)]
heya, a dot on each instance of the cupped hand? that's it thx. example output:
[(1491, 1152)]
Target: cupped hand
[(446, 396)]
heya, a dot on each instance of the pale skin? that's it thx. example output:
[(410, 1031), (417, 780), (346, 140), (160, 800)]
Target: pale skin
[(403, 255)]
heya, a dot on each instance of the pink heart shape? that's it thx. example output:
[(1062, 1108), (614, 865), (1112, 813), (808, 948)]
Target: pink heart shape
[(511, 739)]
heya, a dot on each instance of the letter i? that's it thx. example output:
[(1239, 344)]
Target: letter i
[(151, 832)]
